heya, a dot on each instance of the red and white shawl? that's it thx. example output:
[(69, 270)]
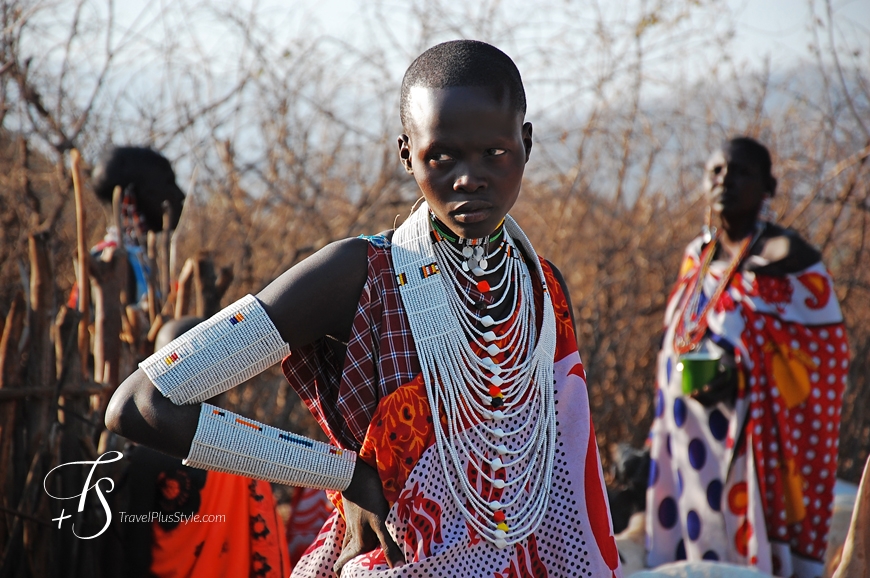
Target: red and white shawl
[(752, 483)]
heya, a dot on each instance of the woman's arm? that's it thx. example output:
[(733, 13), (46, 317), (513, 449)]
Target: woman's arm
[(315, 298)]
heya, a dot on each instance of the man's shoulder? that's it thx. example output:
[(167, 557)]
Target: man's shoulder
[(784, 251)]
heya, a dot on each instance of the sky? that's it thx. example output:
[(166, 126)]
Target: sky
[(774, 28), (560, 57), (778, 28)]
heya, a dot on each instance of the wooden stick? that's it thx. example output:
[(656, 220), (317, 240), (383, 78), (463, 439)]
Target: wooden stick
[(10, 372), (109, 274), (41, 369), (185, 285), (83, 281), (155, 327), (180, 229), (163, 264), (10, 379), (151, 279)]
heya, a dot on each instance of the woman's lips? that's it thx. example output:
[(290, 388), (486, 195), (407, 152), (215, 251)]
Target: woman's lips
[(472, 212)]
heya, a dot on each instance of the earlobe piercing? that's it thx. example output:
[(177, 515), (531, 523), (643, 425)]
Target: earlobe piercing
[(766, 213), (708, 230)]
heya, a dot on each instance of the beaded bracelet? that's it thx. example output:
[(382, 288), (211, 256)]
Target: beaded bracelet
[(218, 354), (227, 442)]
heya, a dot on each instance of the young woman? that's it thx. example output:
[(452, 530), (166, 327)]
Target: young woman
[(442, 353)]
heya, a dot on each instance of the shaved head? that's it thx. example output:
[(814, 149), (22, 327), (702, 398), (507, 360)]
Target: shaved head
[(464, 63)]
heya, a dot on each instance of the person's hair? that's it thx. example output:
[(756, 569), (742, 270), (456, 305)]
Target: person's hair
[(463, 63), (148, 175), (756, 150)]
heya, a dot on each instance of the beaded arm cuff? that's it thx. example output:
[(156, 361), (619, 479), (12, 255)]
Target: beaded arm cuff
[(218, 354), (227, 442)]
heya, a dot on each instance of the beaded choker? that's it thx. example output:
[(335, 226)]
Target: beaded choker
[(489, 381), (475, 252)]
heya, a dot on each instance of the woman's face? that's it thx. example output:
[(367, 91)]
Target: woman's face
[(735, 183), (467, 149)]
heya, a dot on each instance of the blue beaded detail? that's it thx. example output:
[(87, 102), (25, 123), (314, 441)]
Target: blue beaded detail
[(379, 241)]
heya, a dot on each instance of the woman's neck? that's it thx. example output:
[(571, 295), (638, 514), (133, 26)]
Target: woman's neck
[(460, 242), (734, 233)]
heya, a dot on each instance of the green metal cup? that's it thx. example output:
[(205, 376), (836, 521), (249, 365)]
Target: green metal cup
[(698, 370)]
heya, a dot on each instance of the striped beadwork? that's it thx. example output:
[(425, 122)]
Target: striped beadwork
[(218, 354), (227, 442)]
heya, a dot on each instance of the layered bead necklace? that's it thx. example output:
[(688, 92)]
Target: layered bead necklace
[(491, 395)]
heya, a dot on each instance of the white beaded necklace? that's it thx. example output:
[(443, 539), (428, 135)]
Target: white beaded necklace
[(463, 388)]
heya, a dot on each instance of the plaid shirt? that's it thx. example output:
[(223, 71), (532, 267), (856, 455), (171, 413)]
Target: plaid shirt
[(380, 358)]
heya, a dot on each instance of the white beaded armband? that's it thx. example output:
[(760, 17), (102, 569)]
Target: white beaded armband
[(218, 354), (227, 442)]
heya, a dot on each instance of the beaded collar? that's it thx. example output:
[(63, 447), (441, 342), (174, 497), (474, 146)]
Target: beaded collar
[(492, 405)]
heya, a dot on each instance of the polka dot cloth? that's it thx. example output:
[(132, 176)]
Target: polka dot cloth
[(752, 483)]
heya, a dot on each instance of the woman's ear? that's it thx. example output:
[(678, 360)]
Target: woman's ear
[(527, 139), (771, 185), (404, 143)]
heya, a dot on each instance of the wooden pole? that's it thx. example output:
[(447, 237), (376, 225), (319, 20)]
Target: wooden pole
[(83, 281), (109, 275), (163, 262), (10, 370), (10, 380), (41, 369), (185, 287), (150, 279)]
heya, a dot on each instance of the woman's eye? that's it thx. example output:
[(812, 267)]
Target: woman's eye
[(496, 152), (440, 158)]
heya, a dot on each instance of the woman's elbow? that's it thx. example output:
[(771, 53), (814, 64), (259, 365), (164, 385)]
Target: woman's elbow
[(124, 411)]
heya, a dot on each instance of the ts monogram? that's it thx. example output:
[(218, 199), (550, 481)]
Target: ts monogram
[(87, 487)]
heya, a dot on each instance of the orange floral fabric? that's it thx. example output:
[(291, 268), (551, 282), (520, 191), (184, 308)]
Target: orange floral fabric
[(248, 540), (400, 432)]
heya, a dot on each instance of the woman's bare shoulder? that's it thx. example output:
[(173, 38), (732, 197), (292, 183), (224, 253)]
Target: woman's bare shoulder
[(318, 296)]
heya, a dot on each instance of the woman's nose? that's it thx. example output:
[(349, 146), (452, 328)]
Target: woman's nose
[(468, 180)]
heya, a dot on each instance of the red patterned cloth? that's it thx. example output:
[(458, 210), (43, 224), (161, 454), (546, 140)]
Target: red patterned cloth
[(378, 404), (310, 509), (237, 532), (380, 358), (752, 483)]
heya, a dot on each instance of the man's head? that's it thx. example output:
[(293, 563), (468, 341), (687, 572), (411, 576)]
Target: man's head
[(738, 178), (463, 107)]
